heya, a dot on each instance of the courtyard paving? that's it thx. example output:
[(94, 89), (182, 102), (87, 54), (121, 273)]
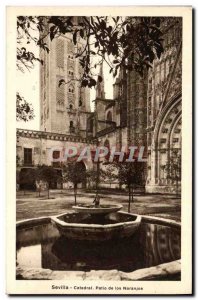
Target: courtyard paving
[(29, 205)]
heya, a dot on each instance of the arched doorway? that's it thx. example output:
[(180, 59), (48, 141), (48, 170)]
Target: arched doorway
[(166, 146)]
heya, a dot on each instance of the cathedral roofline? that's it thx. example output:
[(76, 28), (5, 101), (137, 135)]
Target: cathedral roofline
[(110, 105), (104, 100), (107, 122), (87, 112), (51, 136), (105, 131)]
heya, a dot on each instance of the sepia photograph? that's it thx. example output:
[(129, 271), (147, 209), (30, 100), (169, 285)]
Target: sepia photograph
[(98, 171)]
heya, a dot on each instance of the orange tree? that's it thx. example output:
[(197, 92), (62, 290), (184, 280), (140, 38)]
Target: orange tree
[(75, 173), (47, 174), (130, 174)]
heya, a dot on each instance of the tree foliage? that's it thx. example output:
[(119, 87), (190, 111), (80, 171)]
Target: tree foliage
[(110, 173), (24, 110), (27, 178), (28, 29), (47, 174), (130, 42), (130, 174), (94, 174), (75, 173)]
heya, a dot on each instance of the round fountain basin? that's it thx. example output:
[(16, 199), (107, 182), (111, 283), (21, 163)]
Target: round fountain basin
[(92, 209), (97, 227)]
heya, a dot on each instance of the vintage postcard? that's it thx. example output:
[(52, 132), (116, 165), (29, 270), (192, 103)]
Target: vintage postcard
[(99, 150)]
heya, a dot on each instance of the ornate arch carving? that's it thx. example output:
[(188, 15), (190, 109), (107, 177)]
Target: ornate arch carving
[(167, 135)]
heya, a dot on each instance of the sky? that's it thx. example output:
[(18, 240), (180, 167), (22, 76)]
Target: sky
[(28, 86)]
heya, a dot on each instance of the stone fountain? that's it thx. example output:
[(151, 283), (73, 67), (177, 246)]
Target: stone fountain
[(97, 222)]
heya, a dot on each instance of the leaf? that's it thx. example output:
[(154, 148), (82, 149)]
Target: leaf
[(82, 33), (75, 37), (92, 82), (159, 52), (69, 22), (84, 83), (115, 61), (115, 73), (52, 33), (128, 27), (103, 24), (100, 78), (115, 35), (61, 82), (40, 60), (156, 21), (109, 29)]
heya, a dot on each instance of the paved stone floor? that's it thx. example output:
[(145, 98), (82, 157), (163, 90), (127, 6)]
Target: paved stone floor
[(29, 205)]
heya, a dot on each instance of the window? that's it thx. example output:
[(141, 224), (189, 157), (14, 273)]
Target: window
[(109, 116), (70, 106), (60, 92), (71, 127), (90, 125), (71, 72), (70, 56), (80, 102), (56, 154), (27, 156), (71, 89), (59, 53)]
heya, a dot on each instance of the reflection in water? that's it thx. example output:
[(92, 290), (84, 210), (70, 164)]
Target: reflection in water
[(150, 245), (25, 257), (87, 255), (161, 244)]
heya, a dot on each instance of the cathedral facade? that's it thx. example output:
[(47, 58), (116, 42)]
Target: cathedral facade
[(145, 110)]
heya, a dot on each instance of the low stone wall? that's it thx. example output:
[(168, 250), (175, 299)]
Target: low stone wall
[(31, 222), (162, 189), (161, 221), (168, 271), (159, 272)]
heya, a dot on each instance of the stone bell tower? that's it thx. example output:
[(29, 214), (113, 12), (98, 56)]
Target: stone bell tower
[(63, 108)]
